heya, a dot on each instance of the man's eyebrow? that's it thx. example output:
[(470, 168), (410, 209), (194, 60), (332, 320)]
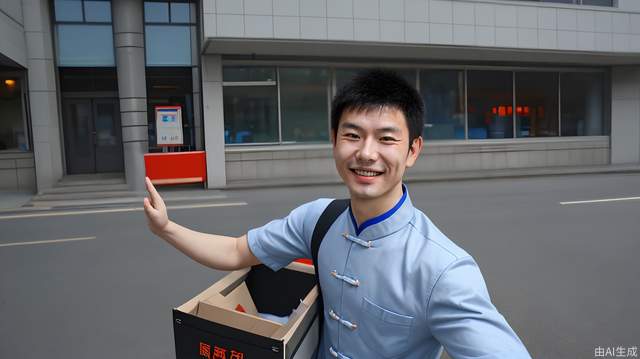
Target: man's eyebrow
[(391, 129), (353, 126), (350, 125)]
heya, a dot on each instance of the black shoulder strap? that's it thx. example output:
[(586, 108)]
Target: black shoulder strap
[(328, 216)]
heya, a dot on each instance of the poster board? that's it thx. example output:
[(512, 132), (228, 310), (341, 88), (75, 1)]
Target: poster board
[(169, 125)]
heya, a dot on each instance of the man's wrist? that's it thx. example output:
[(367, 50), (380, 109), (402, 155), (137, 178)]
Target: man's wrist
[(166, 230)]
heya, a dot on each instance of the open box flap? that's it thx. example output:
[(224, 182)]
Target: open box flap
[(217, 289), (286, 331), (238, 320)]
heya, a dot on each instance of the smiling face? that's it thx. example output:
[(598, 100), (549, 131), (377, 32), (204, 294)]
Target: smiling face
[(371, 152)]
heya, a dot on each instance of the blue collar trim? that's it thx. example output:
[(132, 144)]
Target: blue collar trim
[(380, 218)]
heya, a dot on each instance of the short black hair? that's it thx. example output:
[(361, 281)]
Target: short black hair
[(378, 88)]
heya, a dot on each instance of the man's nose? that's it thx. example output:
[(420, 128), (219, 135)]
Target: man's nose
[(368, 151)]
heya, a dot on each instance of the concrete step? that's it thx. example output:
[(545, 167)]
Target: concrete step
[(86, 188), (92, 179), (78, 195)]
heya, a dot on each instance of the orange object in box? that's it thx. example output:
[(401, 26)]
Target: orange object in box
[(176, 167)]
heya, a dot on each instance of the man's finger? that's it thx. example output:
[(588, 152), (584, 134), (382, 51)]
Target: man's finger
[(148, 208), (155, 196)]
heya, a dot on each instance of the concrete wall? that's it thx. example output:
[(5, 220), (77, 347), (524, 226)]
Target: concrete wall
[(17, 172), (246, 163), (485, 23), (625, 115), (12, 43)]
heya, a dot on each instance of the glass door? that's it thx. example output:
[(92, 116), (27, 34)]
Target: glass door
[(92, 135)]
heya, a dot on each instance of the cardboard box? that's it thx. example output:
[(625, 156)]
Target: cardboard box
[(223, 321)]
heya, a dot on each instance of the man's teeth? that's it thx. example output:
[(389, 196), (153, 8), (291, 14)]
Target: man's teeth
[(367, 173)]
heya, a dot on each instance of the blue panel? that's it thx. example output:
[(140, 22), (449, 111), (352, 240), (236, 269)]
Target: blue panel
[(156, 11), (180, 12), (97, 11), (85, 45), (68, 10), (168, 45)]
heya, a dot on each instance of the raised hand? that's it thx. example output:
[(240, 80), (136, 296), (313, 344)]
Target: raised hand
[(155, 209)]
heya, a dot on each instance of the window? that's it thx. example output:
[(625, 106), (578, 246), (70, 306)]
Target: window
[(270, 104), (582, 104), (171, 86), (169, 33), (168, 45), (443, 95), (13, 123), (536, 104), (610, 3), (85, 45), (84, 33), (490, 104), (304, 104), (250, 98)]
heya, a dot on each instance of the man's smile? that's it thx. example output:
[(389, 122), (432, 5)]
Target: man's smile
[(366, 172)]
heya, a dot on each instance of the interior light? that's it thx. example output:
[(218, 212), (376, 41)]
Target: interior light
[(10, 83)]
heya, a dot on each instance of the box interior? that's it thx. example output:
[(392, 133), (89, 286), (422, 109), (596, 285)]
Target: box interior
[(258, 289)]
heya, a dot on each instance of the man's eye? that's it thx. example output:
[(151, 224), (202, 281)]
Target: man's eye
[(388, 139), (351, 135)]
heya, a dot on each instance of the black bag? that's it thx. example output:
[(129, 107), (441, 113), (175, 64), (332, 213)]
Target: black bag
[(328, 216)]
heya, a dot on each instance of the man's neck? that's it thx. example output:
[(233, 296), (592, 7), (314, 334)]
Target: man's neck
[(364, 209)]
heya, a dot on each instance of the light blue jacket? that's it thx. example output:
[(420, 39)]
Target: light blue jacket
[(395, 287)]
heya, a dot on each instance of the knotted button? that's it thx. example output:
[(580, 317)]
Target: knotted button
[(352, 281), (337, 354), (346, 323), (366, 244)]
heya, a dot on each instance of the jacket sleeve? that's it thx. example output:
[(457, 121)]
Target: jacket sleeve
[(281, 241), (463, 319)]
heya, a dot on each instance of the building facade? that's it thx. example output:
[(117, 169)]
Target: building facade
[(506, 84)]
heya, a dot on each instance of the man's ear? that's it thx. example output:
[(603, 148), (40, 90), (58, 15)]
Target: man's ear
[(414, 151)]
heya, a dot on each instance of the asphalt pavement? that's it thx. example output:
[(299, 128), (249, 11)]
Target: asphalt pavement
[(97, 284)]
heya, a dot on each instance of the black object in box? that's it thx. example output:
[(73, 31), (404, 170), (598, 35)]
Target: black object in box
[(222, 321)]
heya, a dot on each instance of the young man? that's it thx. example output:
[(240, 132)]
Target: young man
[(394, 286)]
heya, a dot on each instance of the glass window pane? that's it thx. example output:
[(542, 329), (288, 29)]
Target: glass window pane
[(168, 45), (490, 104), (98, 11), (536, 104), (250, 114), (582, 103), (304, 104), (85, 45), (561, 1), (180, 12), (169, 86), (68, 10), (156, 11), (598, 2), (443, 95), (13, 132), (248, 74)]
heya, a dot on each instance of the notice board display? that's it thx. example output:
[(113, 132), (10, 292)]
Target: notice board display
[(169, 125)]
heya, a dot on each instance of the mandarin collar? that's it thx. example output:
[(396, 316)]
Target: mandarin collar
[(386, 223)]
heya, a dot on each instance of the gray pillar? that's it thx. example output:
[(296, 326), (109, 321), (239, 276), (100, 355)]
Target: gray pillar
[(213, 120), (197, 110), (625, 115), (43, 103), (128, 30)]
